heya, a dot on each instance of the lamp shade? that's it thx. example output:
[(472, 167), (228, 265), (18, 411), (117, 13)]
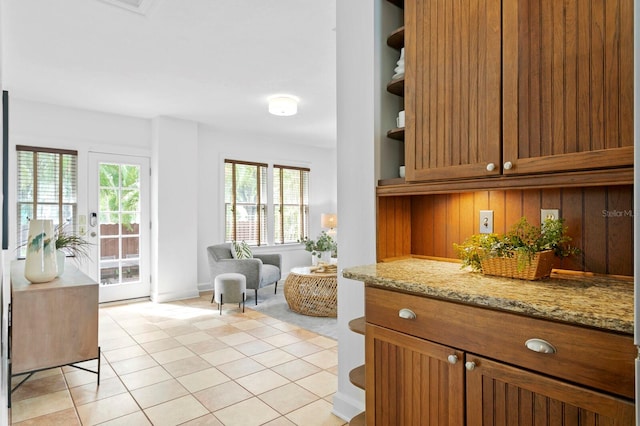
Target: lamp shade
[(329, 220), (283, 105)]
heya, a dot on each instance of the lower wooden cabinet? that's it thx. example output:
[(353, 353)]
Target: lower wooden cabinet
[(414, 381), (432, 362), (498, 394)]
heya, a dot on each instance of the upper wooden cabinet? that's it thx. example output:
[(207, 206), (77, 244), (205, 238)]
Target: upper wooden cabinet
[(517, 87)]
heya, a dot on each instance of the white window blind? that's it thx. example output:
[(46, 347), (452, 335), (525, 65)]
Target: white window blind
[(291, 203), (47, 188), (245, 195)]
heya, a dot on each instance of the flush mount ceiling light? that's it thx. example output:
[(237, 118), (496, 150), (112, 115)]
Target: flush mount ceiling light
[(283, 105)]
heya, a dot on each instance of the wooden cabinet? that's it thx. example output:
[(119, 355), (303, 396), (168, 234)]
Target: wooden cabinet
[(499, 394), (52, 324), (412, 380), (517, 87), (452, 88), (428, 359)]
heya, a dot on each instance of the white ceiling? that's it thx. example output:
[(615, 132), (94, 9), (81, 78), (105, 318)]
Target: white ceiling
[(213, 61)]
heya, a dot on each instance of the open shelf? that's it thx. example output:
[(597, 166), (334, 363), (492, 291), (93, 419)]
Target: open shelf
[(357, 325), (396, 86), (356, 377), (396, 39), (358, 420), (399, 3), (397, 134)]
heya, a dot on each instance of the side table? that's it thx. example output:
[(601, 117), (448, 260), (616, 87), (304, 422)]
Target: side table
[(310, 293)]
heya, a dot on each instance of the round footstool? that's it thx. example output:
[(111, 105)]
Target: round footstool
[(230, 288)]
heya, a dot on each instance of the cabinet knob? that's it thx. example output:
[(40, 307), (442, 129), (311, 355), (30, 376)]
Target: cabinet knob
[(508, 165), (540, 346), (453, 358), (470, 365), (406, 313), (491, 167)]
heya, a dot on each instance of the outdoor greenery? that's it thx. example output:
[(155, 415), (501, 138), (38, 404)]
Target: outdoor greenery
[(324, 242), (522, 241), (119, 192)]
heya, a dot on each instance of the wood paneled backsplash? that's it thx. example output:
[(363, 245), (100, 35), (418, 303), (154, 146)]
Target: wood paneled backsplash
[(599, 219)]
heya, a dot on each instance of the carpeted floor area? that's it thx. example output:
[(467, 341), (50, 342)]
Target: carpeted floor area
[(275, 305)]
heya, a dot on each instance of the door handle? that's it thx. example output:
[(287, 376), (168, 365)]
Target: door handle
[(93, 219)]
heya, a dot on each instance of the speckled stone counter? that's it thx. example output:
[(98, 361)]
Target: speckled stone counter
[(600, 302)]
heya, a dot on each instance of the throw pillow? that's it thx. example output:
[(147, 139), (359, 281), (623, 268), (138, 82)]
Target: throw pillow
[(241, 250)]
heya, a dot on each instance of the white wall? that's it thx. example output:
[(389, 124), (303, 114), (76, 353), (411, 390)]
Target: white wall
[(356, 182), (174, 209), (214, 147)]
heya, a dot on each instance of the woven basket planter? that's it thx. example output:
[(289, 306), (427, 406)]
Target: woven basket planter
[(539, 267)]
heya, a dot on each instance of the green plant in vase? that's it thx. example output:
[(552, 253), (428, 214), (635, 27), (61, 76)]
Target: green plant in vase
[(323, 243), (69, 244)]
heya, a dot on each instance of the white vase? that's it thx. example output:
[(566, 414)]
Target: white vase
[(41, 265), (325, 256), (61, 257)]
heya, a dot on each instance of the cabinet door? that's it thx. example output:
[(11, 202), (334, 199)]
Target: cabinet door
[(409, 381), (498, 394), (568, 84), (452, 88)]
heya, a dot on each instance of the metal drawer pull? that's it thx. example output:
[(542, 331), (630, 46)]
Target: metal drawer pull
[(540, 346), (406, 314), (470, 365), (452, 359)]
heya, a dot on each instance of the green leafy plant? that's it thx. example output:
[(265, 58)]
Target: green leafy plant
[(324, 242), (71, 244), (522, 241)]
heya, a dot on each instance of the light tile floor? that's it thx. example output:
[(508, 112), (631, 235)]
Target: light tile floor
[(183, 363)]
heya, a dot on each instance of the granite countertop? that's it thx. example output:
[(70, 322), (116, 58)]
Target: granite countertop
[(594, 301)]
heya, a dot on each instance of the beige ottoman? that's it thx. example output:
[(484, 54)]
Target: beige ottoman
[(229, 288)]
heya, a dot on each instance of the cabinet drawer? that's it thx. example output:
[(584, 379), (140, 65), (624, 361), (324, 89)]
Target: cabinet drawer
[(590, 357)]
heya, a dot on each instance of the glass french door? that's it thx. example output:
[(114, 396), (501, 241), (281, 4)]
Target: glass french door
[(119, 225)]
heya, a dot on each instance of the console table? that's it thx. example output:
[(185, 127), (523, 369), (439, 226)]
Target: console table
[(51, 324), (311, 293)]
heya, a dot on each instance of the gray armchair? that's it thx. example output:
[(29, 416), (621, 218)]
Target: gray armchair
[(260, 271)]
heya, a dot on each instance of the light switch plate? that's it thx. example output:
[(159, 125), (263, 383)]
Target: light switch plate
[(549, 214), (486, 221)]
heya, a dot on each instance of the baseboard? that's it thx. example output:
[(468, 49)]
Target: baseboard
[(173, 296), (205, 286), (346, 407)]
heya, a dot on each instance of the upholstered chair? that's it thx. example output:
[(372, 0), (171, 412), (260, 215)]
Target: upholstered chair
[(261, 270)]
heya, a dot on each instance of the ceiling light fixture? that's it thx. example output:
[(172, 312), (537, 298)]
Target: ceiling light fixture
[(283, 105)]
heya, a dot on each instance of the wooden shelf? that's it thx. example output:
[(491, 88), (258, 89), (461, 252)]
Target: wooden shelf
[(397, 134), (357, 325), (394, 187), (358, 420), (356, 377), (396, 39), (396, 86)]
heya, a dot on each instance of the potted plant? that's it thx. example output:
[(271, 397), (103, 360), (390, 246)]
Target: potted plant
[(323, 244), (69, 244), (526, 251)]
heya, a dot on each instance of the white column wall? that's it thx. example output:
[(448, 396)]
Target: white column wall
[(174, 209), (356, 183)]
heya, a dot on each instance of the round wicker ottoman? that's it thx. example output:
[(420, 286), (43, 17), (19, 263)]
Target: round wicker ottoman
[(229, 288), (313, 294)]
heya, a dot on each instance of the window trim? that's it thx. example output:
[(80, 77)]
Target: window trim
[(279, 239), (60, 202), (258, 197)]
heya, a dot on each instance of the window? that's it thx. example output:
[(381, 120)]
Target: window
[(291, 203), (245, 198), (47, 188)]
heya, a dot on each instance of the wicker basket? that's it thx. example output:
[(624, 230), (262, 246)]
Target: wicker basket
[(539, 267)]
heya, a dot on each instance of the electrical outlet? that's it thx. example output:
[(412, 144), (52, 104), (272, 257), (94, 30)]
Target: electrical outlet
[(549, 214), (486, 221)]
